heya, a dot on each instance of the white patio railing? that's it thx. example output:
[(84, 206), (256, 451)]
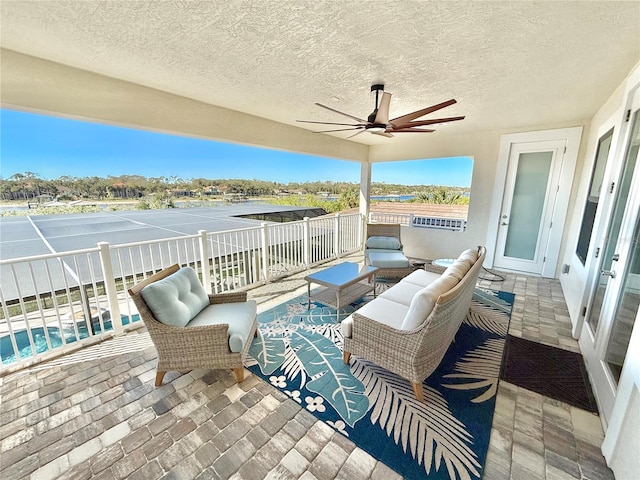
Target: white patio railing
[(58, 302)]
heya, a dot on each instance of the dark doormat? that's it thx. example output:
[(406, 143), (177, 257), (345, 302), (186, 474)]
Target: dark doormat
[(549, 371)]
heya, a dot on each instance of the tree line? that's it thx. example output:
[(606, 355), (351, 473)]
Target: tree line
[(28, 185)]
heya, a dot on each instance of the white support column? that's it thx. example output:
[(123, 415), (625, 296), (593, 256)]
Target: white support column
[(204, 261), (365, 188), (265, 252), (365, 197), (110, 287)]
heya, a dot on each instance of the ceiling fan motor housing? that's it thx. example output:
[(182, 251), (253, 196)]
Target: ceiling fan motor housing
[(378, 87)]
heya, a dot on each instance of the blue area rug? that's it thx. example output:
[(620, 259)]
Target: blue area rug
[(299, 350)]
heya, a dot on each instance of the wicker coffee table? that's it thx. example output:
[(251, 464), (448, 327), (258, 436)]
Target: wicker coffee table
[(341, 284)]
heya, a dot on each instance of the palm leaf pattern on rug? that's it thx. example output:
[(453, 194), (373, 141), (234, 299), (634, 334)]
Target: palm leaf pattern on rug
[(482, 367), (299, 350), (323, 361), (485, 318), (418, 427)]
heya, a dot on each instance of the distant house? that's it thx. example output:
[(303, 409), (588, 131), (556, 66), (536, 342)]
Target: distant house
[(40, 200)]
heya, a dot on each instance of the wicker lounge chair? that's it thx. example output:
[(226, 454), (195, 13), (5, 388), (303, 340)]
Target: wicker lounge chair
[(391, 263), (183, 348), (413, 350)]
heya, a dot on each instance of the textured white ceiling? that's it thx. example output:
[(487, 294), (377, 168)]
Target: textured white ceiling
[(509, 64)]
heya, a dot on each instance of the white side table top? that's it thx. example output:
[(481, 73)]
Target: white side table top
[(443, 262)]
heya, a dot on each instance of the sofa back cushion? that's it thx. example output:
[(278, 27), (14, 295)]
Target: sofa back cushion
[(387, 243), (423, 302), (176, 299), (470, 255)]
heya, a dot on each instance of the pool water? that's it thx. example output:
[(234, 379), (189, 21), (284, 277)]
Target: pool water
[(8, 355)]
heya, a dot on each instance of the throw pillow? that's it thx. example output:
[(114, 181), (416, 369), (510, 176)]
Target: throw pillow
[(176, 299)]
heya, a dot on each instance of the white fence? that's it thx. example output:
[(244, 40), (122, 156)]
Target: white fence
[(55, 303)]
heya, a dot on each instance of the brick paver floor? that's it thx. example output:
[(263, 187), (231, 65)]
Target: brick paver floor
[(96, 414)]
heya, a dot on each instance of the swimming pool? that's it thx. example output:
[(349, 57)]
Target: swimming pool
[(8, 355)]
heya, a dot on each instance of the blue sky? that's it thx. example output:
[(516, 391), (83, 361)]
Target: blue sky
[(52, 147)]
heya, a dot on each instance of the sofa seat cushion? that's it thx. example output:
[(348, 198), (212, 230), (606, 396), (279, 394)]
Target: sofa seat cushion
[(388, 259), (424, 301), (402, 292), (239, 316), (387, 243), (381, 310), (176, 299), (421, 278)]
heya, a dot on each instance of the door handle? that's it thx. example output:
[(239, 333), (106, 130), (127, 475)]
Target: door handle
[(611, 273)]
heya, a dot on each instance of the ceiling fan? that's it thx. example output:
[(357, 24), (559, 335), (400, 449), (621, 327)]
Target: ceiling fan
[(378, 122)]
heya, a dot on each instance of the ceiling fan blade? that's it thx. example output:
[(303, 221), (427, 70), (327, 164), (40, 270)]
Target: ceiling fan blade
[(382, 117), (357, 133), (419, 113), (340, 130), (384, 134), (428, 122), (332, 123), (342, 113), (416, 130)]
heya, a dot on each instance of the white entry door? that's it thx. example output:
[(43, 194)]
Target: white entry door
[(526, 216)]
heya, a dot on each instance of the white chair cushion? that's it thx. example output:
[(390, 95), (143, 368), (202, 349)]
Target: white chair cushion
[(402, 292), (424, 301), (388, 259), (381, 310), (387, 243), (421, 278), (176, 299), (239, 316)]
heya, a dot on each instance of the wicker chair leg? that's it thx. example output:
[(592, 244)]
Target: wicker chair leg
[(159, 377), (345, 357), (239, 374), (417, 390)]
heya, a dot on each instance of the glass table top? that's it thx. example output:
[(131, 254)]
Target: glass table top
[(341, 274)]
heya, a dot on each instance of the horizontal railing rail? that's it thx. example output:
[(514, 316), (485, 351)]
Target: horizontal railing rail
[(58, 302)]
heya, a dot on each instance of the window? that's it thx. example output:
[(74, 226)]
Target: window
[(593, 197)]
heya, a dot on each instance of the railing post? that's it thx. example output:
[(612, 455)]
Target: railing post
[(306, 234), (336, 233), (265, 251), (204, 261), (110, 287), (411, 219)]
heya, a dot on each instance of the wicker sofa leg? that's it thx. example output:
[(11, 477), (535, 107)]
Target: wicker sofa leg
[(417, 389), (239, 374), (159, 377), (345, 357)]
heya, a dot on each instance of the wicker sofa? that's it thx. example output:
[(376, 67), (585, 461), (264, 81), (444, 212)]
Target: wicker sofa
[(408, 328)]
